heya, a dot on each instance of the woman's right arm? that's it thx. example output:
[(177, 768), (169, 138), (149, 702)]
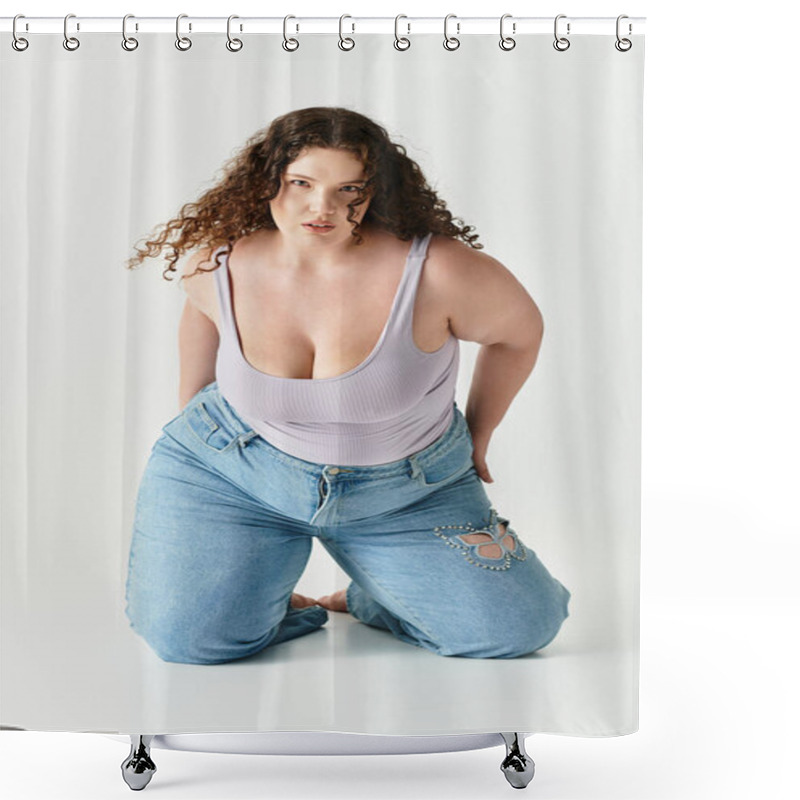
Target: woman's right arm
[(198, 342)]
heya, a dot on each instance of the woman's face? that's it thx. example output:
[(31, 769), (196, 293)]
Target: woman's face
[(316, 188)]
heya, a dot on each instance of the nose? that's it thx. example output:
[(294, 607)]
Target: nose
[(322, 203)]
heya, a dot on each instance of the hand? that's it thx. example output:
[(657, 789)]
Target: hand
[(479, 459)]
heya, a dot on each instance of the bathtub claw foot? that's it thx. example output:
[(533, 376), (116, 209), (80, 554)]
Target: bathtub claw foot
[(517, 766), (138, 768)]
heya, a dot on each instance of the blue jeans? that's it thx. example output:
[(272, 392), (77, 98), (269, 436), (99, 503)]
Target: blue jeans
[(223, 531)]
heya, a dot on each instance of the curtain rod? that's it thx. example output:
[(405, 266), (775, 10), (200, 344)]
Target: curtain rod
[(458, 26)]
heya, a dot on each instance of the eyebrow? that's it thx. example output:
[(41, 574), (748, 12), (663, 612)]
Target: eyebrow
[(306, 177)]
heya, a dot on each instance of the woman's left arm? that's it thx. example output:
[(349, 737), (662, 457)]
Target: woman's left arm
[(487, 304)]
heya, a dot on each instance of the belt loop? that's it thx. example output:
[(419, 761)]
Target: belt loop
[(229, 413), (416, 470)]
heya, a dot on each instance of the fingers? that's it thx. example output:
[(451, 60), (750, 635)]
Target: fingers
[(483, 472)]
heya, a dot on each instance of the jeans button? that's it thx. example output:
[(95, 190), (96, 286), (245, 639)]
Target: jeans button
[(334, 470)]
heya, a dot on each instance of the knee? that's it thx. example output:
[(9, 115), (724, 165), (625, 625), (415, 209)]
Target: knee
[(513, 631), (547, 622), (179, 642), (177, 651), (188, 650)]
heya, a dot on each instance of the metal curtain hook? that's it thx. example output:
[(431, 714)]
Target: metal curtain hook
[(290, 44), (506, 42), (70, 42), (346, 43), (406, 43), (451, 42), (560, 40), (182, 42), (234, 45), (623, 45), (128, 42), (18, 42)]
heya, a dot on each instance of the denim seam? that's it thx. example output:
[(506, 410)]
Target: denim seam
[(209, 465), (313, 469), (202, 441), (457, 472), (206, 417)]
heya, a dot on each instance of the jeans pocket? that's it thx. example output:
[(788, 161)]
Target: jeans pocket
[(445, 467), (209, 426)]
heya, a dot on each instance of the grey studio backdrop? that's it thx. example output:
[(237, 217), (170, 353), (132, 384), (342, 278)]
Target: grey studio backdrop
[(541, 151)]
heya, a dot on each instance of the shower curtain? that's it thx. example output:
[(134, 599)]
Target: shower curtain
[(538, 148)]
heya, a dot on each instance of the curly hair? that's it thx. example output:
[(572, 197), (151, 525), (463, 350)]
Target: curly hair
[(238, 204)]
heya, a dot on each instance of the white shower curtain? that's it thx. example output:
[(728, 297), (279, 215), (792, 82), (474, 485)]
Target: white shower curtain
[(540, 150)]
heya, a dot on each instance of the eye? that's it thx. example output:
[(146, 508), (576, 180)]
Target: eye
[(353, 187), (298, 180)]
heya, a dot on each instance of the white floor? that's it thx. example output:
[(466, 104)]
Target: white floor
[(719, 703)]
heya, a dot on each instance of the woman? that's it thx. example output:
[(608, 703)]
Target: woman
[(318, 368)]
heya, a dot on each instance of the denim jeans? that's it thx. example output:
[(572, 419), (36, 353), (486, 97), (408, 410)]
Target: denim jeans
[(224, 525)]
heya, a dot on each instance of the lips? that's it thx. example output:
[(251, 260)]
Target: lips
[(318, 224)]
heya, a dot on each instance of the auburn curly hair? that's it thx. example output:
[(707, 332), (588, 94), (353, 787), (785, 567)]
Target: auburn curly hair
[(238, 204)]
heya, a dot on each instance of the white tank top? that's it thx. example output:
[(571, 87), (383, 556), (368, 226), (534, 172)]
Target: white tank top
[(394, 403)]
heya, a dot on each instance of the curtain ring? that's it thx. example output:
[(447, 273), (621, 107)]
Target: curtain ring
[(129, 43), (451, 42), (506, 42), (182, 42), (70, 42), (620, 43), (234, 45), (286, 42), (18, 42), (400, 42), (560, 40), (350, 43)]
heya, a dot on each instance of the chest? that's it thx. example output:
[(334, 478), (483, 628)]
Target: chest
[(321, 328)]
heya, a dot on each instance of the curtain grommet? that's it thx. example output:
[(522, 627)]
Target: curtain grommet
[(234, 45), (129, 43), (70, 43), (401, 42), (289, 44), (451, 42), (183, 43), (507, 42), (561, 43), (19, 43), (345, 42), (622, 44)]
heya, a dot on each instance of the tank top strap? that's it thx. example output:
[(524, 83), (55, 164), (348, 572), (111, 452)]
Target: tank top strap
[(404, 315), (223, 287)]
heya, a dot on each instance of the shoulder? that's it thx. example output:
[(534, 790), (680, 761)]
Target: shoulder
[(485, 302), (200, 258), (453, 263), (196, 281)]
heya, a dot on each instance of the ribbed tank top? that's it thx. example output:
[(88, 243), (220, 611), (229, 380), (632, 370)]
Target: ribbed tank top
[(394, 403)]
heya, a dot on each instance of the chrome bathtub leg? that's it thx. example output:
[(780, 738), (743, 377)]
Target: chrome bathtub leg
[(138, 768), (517, 766)]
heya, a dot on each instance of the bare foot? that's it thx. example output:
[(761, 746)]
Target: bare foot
[(301, 601), (334, 602)]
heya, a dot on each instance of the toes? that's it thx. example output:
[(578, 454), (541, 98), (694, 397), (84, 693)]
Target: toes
[(301, 601)]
